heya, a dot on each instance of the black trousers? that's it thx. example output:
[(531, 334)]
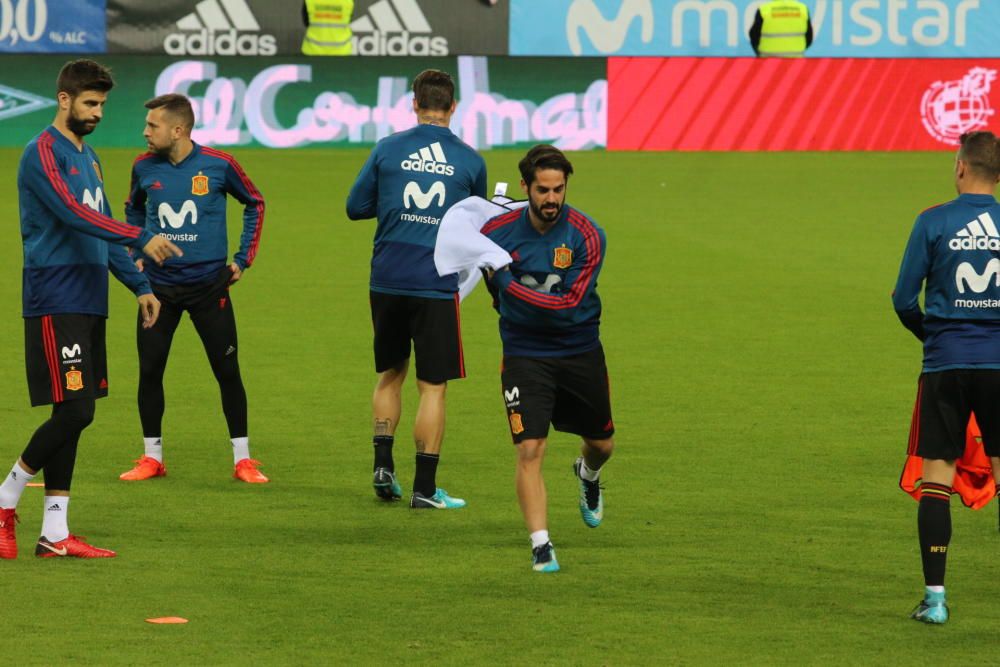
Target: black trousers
[(211, 312)]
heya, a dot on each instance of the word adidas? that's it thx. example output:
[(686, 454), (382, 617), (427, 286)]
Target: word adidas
[(976, 236), (220, 28), (396, 28), (429, 160)]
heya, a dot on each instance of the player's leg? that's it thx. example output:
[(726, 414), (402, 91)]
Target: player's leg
[(215, 321), (153, 345), (941, 416), (437, 344), (391, 344), (528, 389), (583, 406), (983, 403)]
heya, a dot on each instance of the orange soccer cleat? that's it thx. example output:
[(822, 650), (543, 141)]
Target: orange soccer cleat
[(8, 540), (246, 471), (145, 468), (72, 547)]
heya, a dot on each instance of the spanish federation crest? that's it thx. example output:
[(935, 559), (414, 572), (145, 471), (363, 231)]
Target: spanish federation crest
[(74, 379), (199, 184), (951, 108), (516, 425), (563, 258), (97, 168)]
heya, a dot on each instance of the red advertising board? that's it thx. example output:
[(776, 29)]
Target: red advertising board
[(818, 104)]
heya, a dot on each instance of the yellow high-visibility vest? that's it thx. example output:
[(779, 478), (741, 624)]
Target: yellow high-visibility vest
[(329, 31), (783, 34)]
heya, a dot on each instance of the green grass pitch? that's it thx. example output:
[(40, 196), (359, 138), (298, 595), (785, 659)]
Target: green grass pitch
[(762, 389)]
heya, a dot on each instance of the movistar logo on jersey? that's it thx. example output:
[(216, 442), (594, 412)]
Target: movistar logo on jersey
[(176, 219), (94, 200), (980, 234), (966, 276), (220, 28), (430, 160)]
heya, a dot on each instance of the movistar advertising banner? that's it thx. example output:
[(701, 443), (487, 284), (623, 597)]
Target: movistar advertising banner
[(46, 26), (300, 102), (209, 28), (841, 28)]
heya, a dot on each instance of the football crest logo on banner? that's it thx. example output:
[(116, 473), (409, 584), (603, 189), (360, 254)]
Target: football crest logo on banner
[(563, 258), (74, 379), (199, 184), (949, 109)]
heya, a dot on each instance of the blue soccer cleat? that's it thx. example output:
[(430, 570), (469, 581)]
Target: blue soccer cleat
[(591, 498), (543, 558), (439, 501), (932, 609), (385, 485)]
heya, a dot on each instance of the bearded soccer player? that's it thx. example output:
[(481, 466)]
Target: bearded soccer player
[(70, 243), (409, 181), (954, 254), (553, 362), (179, 190)]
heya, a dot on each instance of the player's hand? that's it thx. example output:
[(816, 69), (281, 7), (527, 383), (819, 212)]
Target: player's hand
[(149, 308), (237, 272), (140, 264), (160, 249)]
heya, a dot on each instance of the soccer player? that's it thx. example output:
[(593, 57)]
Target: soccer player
[(954, 254), (179, 190), (70, 242), (553, 362), (410, 179)]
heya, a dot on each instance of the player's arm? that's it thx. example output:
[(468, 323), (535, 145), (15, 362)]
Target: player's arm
[(135, 208), (559, 308), (46, 182), (239, 185), (913, 271), (362, 202), (479, 186)]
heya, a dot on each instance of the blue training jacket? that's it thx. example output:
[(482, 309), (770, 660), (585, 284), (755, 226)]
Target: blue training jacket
[(548, 300), (186, 202), (955, 249), (66, 229), (410, 179)]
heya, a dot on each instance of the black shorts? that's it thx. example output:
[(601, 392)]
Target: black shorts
[(65, 357), (571, 393), (197, 296), (945, 400), (433, 325)]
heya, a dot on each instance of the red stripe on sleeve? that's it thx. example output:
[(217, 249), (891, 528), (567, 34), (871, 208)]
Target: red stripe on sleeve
[(51, 169), (500, 221), (254, 192)]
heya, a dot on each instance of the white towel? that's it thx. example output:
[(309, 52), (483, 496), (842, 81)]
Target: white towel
[(462, 249)]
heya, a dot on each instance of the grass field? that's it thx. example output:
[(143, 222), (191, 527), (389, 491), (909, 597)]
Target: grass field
[(762, 390)]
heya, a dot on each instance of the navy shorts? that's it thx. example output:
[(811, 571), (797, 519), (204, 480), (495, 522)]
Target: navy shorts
[(65, 357), (945, 400)]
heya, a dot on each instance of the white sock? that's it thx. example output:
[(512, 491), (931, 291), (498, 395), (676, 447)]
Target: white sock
[(539, 538), (241, 449), (13, 486), (935, 589), (154, 448), (54, 526), (588, 474)]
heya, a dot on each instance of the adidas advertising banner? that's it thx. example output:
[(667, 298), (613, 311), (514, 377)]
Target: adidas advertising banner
[(841, 28), (300, 102), (209, 28), (824, 104), (44, 26)]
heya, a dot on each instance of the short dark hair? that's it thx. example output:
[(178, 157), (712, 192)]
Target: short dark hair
[(544, 156), (434, 90), (81, 75), (176, 105), (981, 152)]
